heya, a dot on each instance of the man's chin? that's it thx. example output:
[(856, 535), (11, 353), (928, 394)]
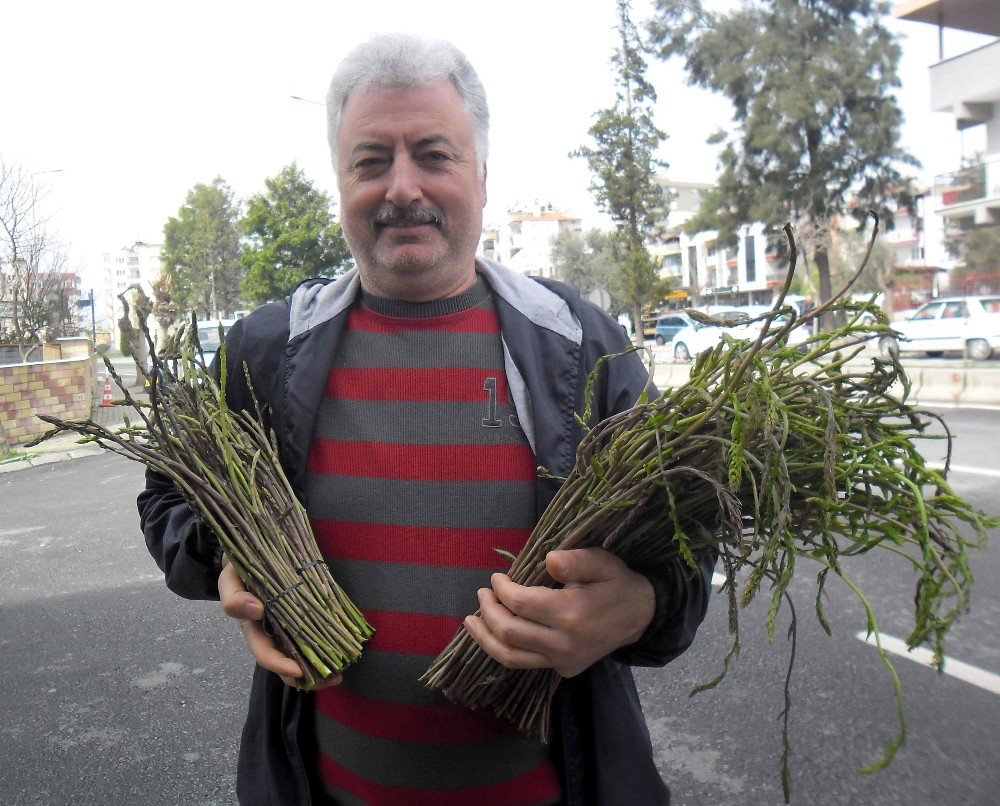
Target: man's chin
[(409, 259)]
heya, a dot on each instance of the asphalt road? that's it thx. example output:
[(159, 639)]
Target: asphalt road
[(114, 690)]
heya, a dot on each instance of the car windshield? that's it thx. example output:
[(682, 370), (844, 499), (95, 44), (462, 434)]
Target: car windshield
[(209, 338)]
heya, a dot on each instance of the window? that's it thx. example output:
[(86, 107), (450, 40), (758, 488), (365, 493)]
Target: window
[(929, 311), (955, 310), (749, 251)]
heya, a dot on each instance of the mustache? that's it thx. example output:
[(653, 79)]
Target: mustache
[(390, 216)]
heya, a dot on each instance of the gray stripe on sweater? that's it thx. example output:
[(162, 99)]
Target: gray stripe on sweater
[(448, 504), (419, 350), (431, 766), (391, 677), (417, 423), (428, 590)]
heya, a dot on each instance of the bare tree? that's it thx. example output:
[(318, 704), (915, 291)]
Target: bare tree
[(32, 263), (137, 308)]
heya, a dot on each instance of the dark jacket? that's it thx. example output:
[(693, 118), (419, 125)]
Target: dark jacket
[(552, 340)]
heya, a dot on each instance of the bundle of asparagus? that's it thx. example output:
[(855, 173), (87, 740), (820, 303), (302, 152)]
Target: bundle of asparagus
[(225, 464), (770, 454)]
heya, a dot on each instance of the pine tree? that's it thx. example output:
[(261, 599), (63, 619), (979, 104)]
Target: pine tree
[(291, 236), (623, 163), (816, 131), (201, 251)]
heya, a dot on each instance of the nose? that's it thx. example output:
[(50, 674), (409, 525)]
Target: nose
[(404, 182)]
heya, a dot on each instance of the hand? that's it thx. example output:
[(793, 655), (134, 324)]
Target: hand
[(240, 604), (603, 606)]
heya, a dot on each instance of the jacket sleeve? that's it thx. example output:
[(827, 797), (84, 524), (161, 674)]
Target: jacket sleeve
[(184, 548), (682, 592)]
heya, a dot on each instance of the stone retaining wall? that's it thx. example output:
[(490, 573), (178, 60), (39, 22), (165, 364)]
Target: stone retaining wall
[(63, 389)]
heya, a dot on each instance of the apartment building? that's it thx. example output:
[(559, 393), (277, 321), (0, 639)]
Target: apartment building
[(966, 86), (523, 241)]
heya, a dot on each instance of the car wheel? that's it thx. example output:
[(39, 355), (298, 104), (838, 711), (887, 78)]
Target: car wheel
[(888, 347), (681, 352), (979, 349), (660, 341)]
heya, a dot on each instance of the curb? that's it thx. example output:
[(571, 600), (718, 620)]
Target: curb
[(49, 457)]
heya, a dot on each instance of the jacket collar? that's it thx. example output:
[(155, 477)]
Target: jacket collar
[(314, 304)]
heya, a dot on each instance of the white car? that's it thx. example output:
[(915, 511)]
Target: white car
[(208, 336), (963, 324), (697, 338)]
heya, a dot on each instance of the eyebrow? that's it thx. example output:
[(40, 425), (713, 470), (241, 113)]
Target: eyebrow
[(425, 143)]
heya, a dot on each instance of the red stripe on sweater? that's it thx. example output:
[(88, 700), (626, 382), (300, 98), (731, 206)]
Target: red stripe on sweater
[(416, 385), (411, 633), (537, 786), (420, 724), (471, 320), (418, 545), (378, 460)]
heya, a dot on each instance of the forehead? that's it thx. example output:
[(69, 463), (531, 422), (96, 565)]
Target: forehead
[(380, 114)]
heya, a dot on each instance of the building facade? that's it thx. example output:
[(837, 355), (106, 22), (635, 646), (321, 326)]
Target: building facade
[(523, 241), (966, 86), (136, 265)]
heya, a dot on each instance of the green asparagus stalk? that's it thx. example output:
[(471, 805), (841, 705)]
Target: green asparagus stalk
[(226, 465)]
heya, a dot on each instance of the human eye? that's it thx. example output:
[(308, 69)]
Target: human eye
[(368, 163), (436, 156)]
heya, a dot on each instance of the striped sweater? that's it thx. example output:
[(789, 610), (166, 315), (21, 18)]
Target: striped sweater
[(417, 473)]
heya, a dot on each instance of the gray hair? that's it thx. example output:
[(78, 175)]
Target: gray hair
[(400, 61)]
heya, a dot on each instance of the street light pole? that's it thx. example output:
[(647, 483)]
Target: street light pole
[(93, 321)]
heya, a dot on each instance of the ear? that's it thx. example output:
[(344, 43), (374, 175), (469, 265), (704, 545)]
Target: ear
[(482, 186)]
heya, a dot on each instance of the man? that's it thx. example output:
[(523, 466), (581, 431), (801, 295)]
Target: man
[(413, 399)]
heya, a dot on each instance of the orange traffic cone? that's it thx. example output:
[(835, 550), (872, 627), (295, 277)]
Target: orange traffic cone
[(107, 401)]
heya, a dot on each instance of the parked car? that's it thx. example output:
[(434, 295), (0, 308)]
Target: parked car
[(669, 324), (697, 338), (964, 324), (868, 318)]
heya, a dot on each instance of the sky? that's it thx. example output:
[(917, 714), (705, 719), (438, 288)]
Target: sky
[(120, 108)]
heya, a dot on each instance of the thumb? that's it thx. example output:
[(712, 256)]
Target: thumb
[(581, 565)]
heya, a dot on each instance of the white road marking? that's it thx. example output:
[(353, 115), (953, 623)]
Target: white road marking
[(940, 404), (113, 478), (718, 580), (978, 471), (24, 530), (956, 668)]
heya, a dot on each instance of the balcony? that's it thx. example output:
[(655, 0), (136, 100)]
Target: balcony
[(971, 192), (967, 85)]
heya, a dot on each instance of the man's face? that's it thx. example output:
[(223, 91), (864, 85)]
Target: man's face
[(411, 198)]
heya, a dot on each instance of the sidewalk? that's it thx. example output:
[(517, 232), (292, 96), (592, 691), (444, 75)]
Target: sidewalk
[(67, 445)]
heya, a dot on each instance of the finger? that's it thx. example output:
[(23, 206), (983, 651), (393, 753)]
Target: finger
[(518, 632), (266, 653), (508, 656), (534, 602), (236, 601), (582, 565), (330, 682)]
